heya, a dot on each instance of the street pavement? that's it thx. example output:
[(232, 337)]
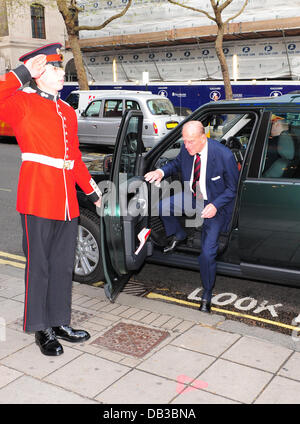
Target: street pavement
[(143, 351)]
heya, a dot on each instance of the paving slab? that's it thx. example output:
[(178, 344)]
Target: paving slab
[(174, 362), (87, 375), (14, 341), (30, 360), (7, 375), (28, 390), (235, 381), (11, 310), (200, 397), (206, 340), (281, 390), (138, 387), (291, 368), (258, 353)]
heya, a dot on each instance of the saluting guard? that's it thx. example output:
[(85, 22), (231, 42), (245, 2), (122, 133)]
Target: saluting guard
[(46, 131)]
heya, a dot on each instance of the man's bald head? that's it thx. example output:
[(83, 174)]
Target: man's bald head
[(193, 127), (194, 137)]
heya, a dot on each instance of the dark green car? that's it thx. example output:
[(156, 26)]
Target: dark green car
[(263, 242)]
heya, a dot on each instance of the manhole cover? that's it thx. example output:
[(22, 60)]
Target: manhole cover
[(131, 339)]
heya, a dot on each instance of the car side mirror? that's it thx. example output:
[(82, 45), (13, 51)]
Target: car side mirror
[(83, 113)]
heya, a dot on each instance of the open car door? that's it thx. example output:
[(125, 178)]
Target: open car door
[(124, 210)]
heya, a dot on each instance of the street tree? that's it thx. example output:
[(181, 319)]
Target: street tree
[(218, 7), (70, 11)]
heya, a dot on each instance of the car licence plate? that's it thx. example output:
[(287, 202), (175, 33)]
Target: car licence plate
[(171, 125)]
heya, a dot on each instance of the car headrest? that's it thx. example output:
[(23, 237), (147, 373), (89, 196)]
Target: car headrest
[(286, 147)]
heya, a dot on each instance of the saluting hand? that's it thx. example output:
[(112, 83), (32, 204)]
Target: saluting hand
[(37, 65)]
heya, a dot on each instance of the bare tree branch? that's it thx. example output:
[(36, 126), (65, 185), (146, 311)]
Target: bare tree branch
[(238, 13), (194, 9), (105, 23)]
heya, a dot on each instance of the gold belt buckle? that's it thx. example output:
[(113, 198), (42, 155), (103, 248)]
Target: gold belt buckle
[(67, 164)]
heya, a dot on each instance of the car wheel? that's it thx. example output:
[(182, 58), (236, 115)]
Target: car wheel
[(88, 261)]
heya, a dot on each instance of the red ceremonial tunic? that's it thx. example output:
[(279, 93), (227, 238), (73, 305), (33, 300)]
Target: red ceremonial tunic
[(47, 126)]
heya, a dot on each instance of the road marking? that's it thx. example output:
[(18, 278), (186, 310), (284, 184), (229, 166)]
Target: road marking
[(224, 311), (16, 264), (11, 256), (5, 189)]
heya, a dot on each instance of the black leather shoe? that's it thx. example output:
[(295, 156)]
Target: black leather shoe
[(205, 306), (173, 244), (48, 343), (70, 335)]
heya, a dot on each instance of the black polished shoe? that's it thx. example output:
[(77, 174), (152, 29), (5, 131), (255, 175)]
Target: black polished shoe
[(205, 306), (173, 244), (70, 335), (48, 343)]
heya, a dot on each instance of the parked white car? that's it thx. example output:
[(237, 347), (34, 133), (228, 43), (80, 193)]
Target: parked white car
[(100, 121)]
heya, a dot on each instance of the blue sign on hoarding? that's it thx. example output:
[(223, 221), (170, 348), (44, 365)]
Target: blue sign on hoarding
[(194, 95)]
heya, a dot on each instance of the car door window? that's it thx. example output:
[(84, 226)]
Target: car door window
[(93, 109), (234, 130), (281, 157), (113, 108), (132, 104)]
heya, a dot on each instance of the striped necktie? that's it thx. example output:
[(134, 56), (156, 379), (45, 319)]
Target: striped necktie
[(197, 168)]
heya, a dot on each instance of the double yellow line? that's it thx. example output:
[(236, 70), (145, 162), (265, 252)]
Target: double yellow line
[(10, 259), (19, 262), (223, 311)]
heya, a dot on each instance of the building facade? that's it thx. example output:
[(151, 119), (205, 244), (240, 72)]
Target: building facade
[(176, 44), (25, 26)]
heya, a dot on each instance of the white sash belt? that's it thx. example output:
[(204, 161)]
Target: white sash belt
[(48, 160)]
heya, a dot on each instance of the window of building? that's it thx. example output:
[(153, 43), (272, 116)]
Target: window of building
[(38, 21)]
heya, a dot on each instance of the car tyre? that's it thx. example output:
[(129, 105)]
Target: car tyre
[(88, 266)]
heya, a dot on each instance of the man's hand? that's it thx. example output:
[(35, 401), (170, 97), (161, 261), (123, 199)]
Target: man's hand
[(37, 65), (152, 176), (209, 211)]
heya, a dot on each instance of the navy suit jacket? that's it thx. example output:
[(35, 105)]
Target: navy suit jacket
[(221, 174)]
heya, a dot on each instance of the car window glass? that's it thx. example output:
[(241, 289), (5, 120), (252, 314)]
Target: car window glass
[(73, 99), (231, 129), (132, 104), (161, 107), (93, 109), (129, 148), (281, 157), (113, 108)]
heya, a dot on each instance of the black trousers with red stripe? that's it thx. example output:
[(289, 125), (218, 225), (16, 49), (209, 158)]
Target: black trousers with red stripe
[(49, 246)]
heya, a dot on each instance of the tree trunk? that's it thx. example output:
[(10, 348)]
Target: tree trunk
[(78, 61), (223, 63)]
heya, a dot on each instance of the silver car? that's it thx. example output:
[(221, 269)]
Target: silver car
[(100, 121)]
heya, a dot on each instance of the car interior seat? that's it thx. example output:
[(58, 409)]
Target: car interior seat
[(283, 166)]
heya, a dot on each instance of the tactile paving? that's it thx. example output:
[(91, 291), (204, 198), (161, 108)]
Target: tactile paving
[(135, 340)]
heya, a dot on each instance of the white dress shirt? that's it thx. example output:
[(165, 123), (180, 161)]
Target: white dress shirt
[(202, 179)]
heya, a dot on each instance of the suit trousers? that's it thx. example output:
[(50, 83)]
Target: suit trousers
[(172, 207), (49, 246)]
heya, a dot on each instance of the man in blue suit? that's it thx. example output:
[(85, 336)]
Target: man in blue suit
[(210, 172)]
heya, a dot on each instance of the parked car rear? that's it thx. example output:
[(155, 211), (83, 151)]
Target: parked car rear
[(100, 121)]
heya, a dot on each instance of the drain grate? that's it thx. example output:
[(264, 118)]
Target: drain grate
[(134, 340), (136, 288)]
